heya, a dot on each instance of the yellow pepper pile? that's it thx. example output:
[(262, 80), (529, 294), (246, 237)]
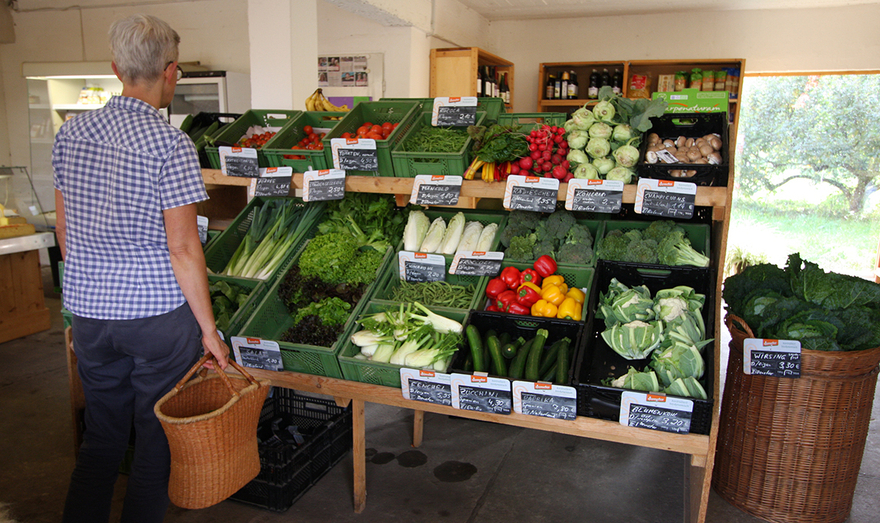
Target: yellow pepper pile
[(558, 301)]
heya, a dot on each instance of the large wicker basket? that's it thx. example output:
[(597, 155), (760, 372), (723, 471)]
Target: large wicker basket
[(211, 425), (790, 449)]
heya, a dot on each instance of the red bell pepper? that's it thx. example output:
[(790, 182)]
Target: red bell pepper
[(530, 276), (492, 307), (518, 308), (545, 265), (495, 287), (504, 300), (510, 276), (527, 294)]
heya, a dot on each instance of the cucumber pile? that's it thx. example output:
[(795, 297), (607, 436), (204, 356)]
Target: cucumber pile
[(530, 359)]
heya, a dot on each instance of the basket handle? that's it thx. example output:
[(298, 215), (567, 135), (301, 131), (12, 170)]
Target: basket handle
[(220, 373), (735, 322)]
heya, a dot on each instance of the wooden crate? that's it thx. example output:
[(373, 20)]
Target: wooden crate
[(23, 308)]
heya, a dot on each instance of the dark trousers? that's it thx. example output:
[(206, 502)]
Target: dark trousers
[(126, 366)]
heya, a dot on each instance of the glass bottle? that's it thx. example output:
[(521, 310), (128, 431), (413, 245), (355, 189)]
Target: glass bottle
[(593, 89), (572, 86), (548, 89), (563, 87)]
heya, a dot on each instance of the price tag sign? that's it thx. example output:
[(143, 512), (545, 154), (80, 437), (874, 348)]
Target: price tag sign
[(323, 185), (354, 154), (273, 181), (419, 267), (257, 353), (202, 224), (665, 198), (655, 411), (239, 161), (605, 196), (476, 263), (459, 111), (530, 193), (544, 400), (481, 393), (426, 385), (435, 190), (778, 358)]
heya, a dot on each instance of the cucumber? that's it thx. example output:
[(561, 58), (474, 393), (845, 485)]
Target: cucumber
[(476, 345), (487, 358), (548, 358), (186, 124), (533, 363), (499, 365), (508, 350), (562, 364), (519, 362)]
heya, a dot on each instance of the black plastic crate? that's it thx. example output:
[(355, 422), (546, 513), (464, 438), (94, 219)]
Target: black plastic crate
[(516, 326), (689, 125), (287, 471), (595, 360), (201, 123)]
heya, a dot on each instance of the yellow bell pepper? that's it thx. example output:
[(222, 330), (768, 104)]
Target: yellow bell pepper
[(555, 279), (569, 310), (544, 309), (576, 294), (553, 294)]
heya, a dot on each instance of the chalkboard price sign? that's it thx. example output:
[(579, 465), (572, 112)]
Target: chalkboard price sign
[(454, 111), (239, 161), (257, 353), (481, 393), (427, 386), (476, 263), (323, 185), (436, 190), (273, 181), (778, 358), (666, 199), (656, 412), (418, 267), (202, 224), (354, 154), (605, 196), (544, 400), (527, 193)]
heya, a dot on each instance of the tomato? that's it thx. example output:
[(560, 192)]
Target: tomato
[(361, 132), (376, 129), (346, 135), (395, 125), (387, 127), (308, 129), (367, 125), (313, 137), (375, 136)]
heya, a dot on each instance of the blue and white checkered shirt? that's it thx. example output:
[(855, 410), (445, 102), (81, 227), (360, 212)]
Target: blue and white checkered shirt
[(118, 168)]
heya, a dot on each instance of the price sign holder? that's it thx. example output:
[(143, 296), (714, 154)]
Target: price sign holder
[(202, 224), (476, 263), (530, 193), (354, 154), (273, 181), (257, 353), (778, 358), (426, 385), (666, 198), (458, 111), (655, 411), (435, 190), (481, 393), (605, 196), (420, 267), (544, 400), (323, 185), (239, 161)]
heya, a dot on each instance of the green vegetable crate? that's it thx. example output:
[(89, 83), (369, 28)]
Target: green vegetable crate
[(272, 319), (697, 233), (280, 145), (531, 121), (377, 113), (221, 249), (491, 106), (485, 217), (595, 360), (256, 290), (232, 133), (366, 371), (597, 229), (580, 277), (390, 281), (412, 163)]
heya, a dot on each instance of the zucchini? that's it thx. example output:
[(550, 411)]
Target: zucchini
[(533, 363), (549, 357), (504, 338), (548, 376), (487, 358), (476, 345), (562, 363), (186, 124), (519, 362), (508, 350), (499, 365)]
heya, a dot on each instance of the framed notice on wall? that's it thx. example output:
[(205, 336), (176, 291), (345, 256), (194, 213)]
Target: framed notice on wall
[(345, 78)]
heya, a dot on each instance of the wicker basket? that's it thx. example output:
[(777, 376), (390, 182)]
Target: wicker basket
[(211, 424), (790, 449)]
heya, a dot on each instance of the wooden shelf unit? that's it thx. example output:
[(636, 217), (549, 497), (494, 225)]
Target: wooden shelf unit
[(454, 71)]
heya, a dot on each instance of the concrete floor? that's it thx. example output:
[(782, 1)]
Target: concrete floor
[(504, 473)]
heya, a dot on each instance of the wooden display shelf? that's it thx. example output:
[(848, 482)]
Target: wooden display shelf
[(454, 71)]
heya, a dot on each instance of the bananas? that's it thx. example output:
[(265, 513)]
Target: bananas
[(317, 102)]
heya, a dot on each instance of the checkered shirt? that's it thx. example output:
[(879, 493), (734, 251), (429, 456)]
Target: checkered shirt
[(118, 168)]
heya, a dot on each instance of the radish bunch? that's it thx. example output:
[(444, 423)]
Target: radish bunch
[(547, 152)]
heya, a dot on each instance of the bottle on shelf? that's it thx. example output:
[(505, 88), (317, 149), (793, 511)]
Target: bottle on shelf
[(548, 88), (481, 82), (505, 89), (573, 86), (593, 89), (617, 81), (493, 78), (563, 88), (557, 88), (604, 78)]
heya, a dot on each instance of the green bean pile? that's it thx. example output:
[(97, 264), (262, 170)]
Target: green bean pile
[(431, 139), (435, 293)]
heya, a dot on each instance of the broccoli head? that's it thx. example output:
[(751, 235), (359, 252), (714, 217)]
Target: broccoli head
[(520, 248), (574, 254), (509, 231), (612, 246), (641, 252), (675, 249), (558, 224), (579, 234), (523, 219), (660, 229), (543, 246)]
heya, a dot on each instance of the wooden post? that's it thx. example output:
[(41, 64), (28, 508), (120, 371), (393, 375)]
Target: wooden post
[(418, 427), (358, 435)]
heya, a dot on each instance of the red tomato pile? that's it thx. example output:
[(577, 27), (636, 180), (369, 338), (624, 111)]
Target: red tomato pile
[(547, 152), (375, 132), (256, 140), (311, 142)]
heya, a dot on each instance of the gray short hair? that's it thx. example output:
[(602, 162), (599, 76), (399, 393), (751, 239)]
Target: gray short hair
[(142, 46)]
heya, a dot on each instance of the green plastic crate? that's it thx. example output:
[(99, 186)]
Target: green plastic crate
[(485, 217), (366, 371), (597, 229), (491, 106), (233, 132), (697, 233), (580, 277), (412, 163), (390, 281), (280, 145), (220, 250), (271, 320), (377, 113), (532, 120), (257, 290)]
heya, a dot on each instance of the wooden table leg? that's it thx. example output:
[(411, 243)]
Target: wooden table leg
[(359, 457), (418, 427), (697, 484)]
